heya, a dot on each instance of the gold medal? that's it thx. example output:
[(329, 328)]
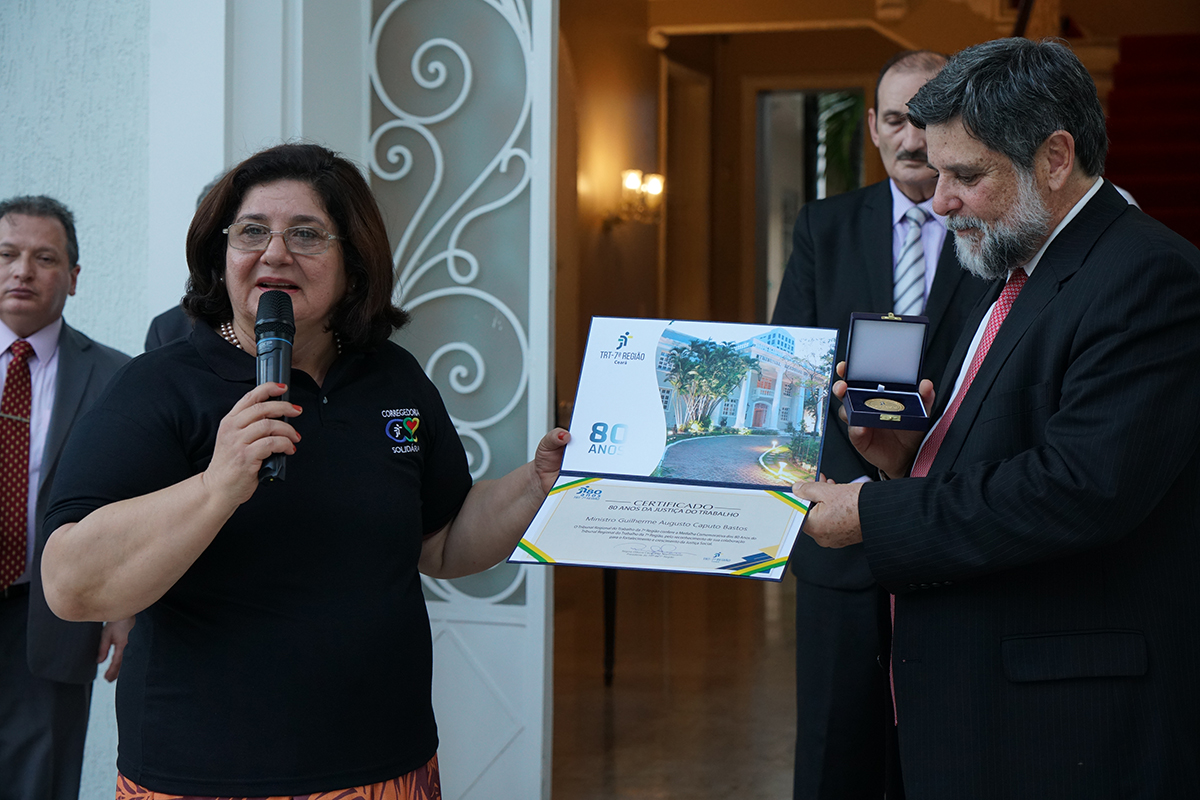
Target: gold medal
[(883, 404)]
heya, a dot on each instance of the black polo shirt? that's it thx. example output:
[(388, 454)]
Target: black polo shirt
[(294, 656)]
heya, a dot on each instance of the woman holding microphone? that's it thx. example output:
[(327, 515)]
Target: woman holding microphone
[(282, 645)]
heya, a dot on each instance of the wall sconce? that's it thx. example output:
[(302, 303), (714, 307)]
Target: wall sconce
[(641, 198)]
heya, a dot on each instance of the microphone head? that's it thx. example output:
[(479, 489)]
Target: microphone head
[(275, 316)]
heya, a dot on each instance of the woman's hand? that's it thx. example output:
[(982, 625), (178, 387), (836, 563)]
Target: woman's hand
[(548, 458), (124, 556), (892, 451), (249, 433), (114, 636)]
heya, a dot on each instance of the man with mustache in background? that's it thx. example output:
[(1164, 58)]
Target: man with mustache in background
[(879, 248)]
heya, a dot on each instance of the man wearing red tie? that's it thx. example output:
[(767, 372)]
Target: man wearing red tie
[(878, 248), (49, 375), (1042, 540)]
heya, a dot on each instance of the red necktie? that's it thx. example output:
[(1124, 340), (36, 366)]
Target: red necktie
[(14, 463), (929, 449)]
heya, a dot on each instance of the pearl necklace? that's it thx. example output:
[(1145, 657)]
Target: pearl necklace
[(229, 335)]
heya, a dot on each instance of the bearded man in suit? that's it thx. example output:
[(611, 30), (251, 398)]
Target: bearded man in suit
[(880, 248), (51, 374), (1042, 540)]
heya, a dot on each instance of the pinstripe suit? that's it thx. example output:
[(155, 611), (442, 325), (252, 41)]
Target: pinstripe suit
[(1045, 640), (841, 262)]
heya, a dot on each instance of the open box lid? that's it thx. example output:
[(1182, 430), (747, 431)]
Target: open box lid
[(885, 350)]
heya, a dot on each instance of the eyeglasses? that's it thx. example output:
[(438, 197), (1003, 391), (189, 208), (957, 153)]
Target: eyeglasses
[(255, 237)]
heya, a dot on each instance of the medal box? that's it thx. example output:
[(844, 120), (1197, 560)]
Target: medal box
[(884, 357)]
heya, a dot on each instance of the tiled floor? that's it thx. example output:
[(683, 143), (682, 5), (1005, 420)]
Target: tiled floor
[(703, 699)]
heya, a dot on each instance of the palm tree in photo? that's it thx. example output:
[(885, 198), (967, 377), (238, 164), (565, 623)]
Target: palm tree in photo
[(703, 374)]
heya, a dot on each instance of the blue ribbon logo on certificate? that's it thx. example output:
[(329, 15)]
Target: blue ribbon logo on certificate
[(685, 440)]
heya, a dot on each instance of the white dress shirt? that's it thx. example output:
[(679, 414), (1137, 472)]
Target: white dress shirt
[(1029, 267), (43, 371), (933, 234)]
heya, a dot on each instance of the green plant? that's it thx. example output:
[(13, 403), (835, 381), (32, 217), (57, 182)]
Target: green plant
[(703, 373), (840, 119), (805, 447)]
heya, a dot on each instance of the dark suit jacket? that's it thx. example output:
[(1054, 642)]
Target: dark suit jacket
[(1045, 638), (58, 650), (842, 262), (168, 326)]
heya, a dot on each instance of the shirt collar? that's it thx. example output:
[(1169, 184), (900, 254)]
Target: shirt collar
[(229, 362), (901, 204), (235, 364), (1075, 209), (44, 341)]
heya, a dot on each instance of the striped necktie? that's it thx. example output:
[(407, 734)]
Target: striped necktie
[(14, 463), (908, 292), (929, 449)]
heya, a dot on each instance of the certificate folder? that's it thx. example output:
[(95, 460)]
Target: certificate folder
[(686, 438)]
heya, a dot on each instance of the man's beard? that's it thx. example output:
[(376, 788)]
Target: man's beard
[(1010, 241)]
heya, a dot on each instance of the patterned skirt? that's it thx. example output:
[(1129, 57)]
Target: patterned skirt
[(423, 783)]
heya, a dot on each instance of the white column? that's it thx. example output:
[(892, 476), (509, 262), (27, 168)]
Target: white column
[(187, 134), (264, 76), (334, 104), (544, 88), (740, 422), (778, 397)]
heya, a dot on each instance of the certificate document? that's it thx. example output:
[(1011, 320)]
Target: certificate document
[(685, 440)]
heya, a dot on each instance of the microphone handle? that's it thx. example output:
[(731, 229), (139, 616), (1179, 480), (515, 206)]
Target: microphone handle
[(274, 366)]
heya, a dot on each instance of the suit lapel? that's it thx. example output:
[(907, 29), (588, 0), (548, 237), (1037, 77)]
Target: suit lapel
[(877, 247), (1060, 261), (959, 354), (1037, 292), (74, 372)]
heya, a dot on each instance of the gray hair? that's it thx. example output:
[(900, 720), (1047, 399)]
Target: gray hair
[(1011, 94), (42, 206)]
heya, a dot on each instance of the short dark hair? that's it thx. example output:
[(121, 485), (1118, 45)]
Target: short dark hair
[(910, 61), (43, 206), (365, 316), (1012, 94)]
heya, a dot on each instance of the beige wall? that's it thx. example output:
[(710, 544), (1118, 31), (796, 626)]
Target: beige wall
[(938, 24), (814, 44), (1123, 18), (567, 347), (744, 65), (616, 104)]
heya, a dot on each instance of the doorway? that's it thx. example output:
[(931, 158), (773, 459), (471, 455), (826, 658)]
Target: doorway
[(810, 146)]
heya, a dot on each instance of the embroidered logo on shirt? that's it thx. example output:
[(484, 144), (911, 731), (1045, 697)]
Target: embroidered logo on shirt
[(401, 427)]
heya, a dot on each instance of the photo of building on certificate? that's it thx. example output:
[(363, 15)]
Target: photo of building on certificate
[(747, 412), (702, 402)]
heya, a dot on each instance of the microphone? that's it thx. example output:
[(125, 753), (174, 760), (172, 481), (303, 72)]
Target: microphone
[(274, 331)]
